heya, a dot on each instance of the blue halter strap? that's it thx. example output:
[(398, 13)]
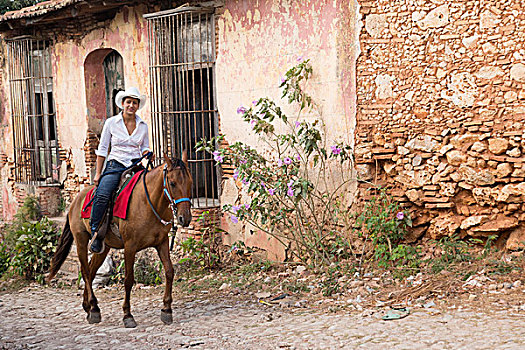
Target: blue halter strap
[(167, 192)]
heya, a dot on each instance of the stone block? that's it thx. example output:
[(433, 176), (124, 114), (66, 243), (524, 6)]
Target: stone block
[(375, 25), (473, 221), (436, 18), (516, 239), (503, 170), (444, 225), (456, 158), (517, 72), (498, 145), (494, 225)]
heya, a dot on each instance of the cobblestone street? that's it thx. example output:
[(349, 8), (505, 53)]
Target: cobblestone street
[(49, 318)]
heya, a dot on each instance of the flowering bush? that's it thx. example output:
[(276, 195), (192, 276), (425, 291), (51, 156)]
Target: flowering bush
[(293, 194), (382, 225)]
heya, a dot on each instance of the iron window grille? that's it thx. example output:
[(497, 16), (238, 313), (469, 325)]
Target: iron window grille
[(181, 72), (36, 150)]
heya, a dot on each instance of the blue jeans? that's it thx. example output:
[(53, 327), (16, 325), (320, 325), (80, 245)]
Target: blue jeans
[(106, 186)]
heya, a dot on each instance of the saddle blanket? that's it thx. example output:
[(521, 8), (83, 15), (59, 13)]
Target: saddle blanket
[(121, 203)]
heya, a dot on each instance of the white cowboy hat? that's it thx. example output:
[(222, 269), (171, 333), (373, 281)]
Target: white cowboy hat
[(130, 92)]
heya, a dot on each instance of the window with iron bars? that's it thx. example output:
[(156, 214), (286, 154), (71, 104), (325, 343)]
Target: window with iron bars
[(182, 62), (36, 151)]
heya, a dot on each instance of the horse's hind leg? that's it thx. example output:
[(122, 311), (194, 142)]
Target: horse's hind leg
[(164, 255), (129, 279)]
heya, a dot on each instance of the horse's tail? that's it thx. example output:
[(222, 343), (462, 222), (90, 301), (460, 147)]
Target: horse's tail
[(64, 246)]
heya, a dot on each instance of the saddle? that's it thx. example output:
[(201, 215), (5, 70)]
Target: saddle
[(107, 219)]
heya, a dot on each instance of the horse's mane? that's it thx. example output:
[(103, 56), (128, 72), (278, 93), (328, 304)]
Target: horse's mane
[(177, 163)]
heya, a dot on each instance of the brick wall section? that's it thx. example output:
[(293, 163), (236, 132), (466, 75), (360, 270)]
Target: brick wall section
[(48, 197), (73, 182), (198, 227), (441, 108)]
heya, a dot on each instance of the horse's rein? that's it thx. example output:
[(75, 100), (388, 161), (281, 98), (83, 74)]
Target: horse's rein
[(172, 203)]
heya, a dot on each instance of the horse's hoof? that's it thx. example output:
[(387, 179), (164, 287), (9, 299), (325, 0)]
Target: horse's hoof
[(94, 317), (166, 317), (129, 322)]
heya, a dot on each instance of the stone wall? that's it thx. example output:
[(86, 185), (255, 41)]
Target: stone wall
[(440, 113)]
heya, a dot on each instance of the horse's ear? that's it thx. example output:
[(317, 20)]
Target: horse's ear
[(185, 157), (168, 160)]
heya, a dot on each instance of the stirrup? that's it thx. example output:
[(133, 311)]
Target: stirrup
[(92, 240)]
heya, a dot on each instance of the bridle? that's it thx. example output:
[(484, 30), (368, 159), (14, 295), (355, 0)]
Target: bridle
[(171, 202)]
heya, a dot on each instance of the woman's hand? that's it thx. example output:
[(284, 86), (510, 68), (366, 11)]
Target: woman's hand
[(152, 154), (96, 179), (98, 169)]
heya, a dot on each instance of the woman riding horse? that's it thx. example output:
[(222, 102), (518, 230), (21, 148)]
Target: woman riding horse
[(125, 136), (160, 199)]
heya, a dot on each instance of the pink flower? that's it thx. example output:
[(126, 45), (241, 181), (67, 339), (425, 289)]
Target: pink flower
[(234, 219), (335, 149), (235, 208), (290, 192), (236, 174), (287, 161), (218, 157), (297, 124), (241, 110), (271, 191), (244, 181), (298, 157), (247, 205), (279, 163), (400, 215), (254, 102), (290, 183)]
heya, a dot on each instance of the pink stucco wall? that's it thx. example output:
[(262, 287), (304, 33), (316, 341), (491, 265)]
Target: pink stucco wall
[(127, 35), (9, 205), (94, 82), (258, 41)]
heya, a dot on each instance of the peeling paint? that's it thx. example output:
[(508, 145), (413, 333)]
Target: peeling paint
[(253, 55), (259, 41)]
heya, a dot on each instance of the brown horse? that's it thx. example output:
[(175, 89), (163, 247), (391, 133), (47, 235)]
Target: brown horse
[(141, 229)]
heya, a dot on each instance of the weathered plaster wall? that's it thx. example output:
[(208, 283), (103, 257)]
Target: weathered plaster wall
[(9, 204), (94, 80), (127, 35), (257, 42), (441, 110)]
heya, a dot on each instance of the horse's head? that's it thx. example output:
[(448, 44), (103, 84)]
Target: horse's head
[(179, 183)]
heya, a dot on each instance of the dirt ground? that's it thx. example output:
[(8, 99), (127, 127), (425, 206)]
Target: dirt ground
[(480, 312)]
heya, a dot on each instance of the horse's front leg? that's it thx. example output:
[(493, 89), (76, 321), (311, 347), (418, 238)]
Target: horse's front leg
[(89, 270), (164, 255), (129, 279), (94, 264)]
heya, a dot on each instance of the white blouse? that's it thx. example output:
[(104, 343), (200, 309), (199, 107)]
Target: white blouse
[(124, 147)]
